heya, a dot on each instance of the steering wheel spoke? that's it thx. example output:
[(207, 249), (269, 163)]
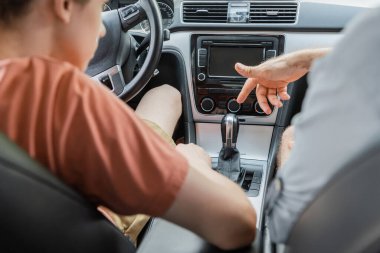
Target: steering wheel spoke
[(112, 78), (115, 60), (131, 15)]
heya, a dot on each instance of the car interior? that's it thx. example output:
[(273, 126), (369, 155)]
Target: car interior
[(193, 45)]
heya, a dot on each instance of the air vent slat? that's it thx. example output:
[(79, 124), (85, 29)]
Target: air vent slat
[(208, 16), (273, 13), (278, 17), (284, 10), (211, 6), (261, 13), (265, 13), (273, 6), (205, 12), (271, 21)]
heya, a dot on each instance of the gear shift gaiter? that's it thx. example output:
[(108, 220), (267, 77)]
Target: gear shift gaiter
[(229, 156)]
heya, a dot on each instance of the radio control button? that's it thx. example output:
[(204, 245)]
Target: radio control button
[(258, 108), (202, 57), (207, 104), (233, 106), (202, 51), (201, 77), (202, 61), (270, 54)]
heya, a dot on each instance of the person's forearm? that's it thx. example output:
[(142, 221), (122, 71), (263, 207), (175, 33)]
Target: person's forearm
[(216, 209), (211, 205), (286, 146), (305, 58)]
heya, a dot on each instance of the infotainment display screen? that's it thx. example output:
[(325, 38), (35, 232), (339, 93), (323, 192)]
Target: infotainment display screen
[(223, 58)]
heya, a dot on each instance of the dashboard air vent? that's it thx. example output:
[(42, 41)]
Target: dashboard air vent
[(273, 13), (205, 12)]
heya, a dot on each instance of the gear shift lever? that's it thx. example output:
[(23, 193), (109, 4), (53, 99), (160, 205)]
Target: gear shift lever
[(229, 156), (230, 130)]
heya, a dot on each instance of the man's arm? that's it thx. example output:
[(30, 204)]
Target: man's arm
[(272, 77), (286, 146), (211, 205)]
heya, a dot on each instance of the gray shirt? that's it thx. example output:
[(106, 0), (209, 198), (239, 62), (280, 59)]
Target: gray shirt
[(340, 116)]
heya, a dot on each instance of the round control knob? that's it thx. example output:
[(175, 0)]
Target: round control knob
[(207, 104), (258, 108), (233, 106), (201, 77)]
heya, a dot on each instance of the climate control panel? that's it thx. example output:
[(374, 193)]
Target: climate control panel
[(222, 101)]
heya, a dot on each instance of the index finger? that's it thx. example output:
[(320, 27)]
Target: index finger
[(249, 85)]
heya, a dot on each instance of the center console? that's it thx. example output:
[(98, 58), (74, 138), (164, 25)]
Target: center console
[(216, 83), (214, 88), (240, 149)]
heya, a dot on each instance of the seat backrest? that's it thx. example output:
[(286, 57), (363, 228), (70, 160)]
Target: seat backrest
[(345, 216), (39, 213)]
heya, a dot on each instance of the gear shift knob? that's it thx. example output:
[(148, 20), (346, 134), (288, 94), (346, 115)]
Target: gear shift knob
[(230, 130), (229, 156)]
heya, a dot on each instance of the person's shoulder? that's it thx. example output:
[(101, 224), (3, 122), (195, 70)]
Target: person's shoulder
[(40, 63), (63, 74), (44, 70), (49, 74)]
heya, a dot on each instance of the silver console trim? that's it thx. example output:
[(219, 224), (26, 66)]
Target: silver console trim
[(258, 202), (253, 141)]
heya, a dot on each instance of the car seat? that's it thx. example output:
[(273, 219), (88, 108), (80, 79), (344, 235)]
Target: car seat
[(345, 216), (39, 213)]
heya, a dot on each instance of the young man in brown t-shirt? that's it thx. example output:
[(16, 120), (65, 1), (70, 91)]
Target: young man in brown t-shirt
[(58, 115)]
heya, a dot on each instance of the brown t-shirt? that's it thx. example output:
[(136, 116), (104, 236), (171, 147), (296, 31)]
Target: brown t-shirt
[(87, 136)]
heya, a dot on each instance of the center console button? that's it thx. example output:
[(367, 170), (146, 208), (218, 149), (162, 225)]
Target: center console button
[(233, 106), (270, 54), (202, 57), (201, 77), (202, 61), (207, 104), (258, 108)]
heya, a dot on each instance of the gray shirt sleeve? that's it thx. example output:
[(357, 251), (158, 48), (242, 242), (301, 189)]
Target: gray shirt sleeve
[(340, 116)]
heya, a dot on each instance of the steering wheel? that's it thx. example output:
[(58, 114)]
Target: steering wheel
[(115, 60)]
